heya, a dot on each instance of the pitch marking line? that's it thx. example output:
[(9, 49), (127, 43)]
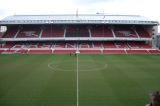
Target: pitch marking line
[(51, 67)]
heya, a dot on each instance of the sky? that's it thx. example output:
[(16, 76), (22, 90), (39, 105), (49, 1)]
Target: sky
[(148, 8)]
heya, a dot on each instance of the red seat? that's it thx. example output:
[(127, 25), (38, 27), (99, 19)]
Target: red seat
[(101, 31), (124, 31), (137, 52), (29, 32), (40, 51), (53, 31), (64, 51), (11, 32), (154, 51), (90, 51), (142, 32), (114, 52)]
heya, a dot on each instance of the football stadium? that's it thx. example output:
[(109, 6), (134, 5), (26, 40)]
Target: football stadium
[(78, 60)]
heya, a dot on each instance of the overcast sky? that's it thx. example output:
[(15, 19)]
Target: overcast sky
[(148, 8)]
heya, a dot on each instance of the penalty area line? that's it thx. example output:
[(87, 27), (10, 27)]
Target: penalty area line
[(51, 67)]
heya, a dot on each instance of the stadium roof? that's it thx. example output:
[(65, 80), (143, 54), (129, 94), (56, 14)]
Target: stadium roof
[(77, 19)]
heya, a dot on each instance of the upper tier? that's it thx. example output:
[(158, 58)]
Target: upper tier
[(74, 31)]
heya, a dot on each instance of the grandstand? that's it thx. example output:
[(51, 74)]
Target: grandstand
[(83, 33)]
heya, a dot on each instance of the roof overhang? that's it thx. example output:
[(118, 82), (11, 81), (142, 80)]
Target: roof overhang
[(78, 19)]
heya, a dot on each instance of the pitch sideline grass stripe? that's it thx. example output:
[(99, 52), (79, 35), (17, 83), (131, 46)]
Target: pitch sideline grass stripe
[(77, 84)]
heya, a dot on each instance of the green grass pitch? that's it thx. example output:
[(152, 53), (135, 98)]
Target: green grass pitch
[(103, 80)]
